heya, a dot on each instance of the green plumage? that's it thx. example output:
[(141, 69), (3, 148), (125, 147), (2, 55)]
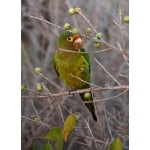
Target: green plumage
[(69, 64)]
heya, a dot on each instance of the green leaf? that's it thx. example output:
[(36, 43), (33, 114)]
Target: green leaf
[(35, 145), (47, 147), (55, 134), (116, 144), (59, 144)]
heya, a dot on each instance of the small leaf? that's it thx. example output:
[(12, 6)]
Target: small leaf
[(116, 144), (35, 145), (47, 147), (69, 126)]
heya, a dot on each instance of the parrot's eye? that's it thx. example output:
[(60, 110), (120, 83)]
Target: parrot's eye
[(70, 39)]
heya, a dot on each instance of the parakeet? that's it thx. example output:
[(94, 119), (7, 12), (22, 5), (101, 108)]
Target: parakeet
[(72, 66)]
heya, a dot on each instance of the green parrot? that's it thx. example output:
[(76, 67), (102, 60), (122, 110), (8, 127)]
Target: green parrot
[(70, 66)]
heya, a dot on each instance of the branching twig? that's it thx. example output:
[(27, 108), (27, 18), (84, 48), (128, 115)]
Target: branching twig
[(89, 138), (43, 109), (102, 41), (106, 144), (35, 110), (50, 81), (35, 122)]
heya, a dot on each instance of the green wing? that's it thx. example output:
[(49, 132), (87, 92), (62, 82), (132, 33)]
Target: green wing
[(55, 65), (86, 56)]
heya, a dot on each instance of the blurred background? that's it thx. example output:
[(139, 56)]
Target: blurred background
[(38, 45)]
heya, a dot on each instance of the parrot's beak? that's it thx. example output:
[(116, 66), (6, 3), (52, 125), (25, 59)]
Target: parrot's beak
[(78, 42)]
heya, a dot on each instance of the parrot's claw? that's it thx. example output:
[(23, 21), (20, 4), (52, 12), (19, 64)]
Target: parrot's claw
[(72, 91)]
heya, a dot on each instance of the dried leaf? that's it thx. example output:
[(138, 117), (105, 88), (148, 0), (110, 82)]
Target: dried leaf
[(69, 125)]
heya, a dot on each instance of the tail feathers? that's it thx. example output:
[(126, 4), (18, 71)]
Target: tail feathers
[(90, 106)]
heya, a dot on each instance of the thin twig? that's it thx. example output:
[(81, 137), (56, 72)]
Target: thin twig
[(106, 144), (63, 120), (93, 52), (123, 75), (89, 138), (34, 97), (99, 122), (114, 48), (123, 55), (91, 133), (87, 21), (50, 81), (43, 109), (65, 108), (116, 23), (107, 71), (35, 110), (84, 81), (31, 90), (35, 122), (121, 30), (124, 26), (42, 19), (106, 99), (108, 124)]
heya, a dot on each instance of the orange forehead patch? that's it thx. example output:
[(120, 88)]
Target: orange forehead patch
[(76, 37)]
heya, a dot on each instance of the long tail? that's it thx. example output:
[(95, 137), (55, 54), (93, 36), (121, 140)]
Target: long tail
[(90, 106)]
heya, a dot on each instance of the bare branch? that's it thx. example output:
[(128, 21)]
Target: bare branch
[(107, 71), (84, 91), (85, 81), (87, 21), (35, 122), (42, 19), (35, 109), (50, 81)]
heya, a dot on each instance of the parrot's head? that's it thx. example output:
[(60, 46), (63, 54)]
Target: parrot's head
[(69, 41)]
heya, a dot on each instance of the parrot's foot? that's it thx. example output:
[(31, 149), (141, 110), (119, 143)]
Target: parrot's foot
[(72, 91)]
